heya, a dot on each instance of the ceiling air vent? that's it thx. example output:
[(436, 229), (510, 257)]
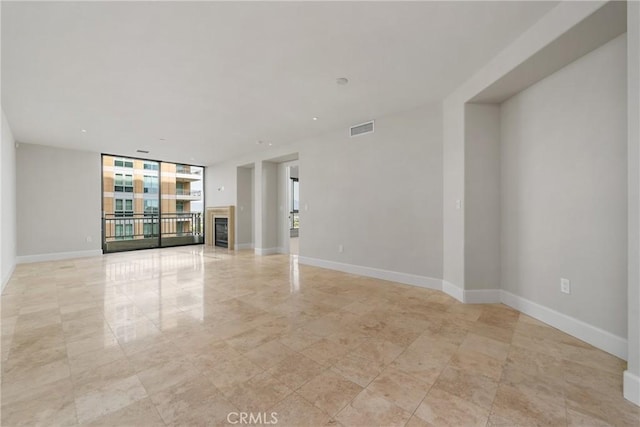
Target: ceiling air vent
[(361, 129)]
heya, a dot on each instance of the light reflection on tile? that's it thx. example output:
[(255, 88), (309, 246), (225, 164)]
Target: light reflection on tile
[(185, 335)]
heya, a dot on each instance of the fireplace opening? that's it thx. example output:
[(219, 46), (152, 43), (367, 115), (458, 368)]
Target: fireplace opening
[(221, 232)]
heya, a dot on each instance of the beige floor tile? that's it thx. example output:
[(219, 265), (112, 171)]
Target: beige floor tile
[(109, 398), (521, 406), (53, 405), (204, 331), (295, 370), (466, 385), (295, 411), (193, 402), (443, 409), (227, 374), (330, 391), (358, 369), (269, 354), (474, 362), (163, 376), (399, 388), (142, 413), (369, 409), (258, 394), (378, 351)]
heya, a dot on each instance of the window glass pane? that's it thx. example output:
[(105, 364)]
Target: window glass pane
[(129, 205), (118, 204), (118, 162), (128, 164)]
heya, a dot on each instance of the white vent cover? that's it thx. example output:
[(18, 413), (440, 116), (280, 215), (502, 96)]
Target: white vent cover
[(361, 129)]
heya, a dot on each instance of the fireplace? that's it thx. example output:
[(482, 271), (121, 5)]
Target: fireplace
[(221, 232), (213, 215)]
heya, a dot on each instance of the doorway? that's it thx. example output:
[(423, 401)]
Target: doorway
[(294, 210)]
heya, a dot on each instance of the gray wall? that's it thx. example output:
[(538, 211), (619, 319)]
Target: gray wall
[(632, 388), (482, 196), (379, 195), (7, 203), (244, 210), (564, 190), (270, 212), (58, 200)]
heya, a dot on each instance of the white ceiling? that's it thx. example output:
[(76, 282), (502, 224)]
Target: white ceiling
[(212, 78)]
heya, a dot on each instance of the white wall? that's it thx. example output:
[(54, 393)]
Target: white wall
[(58, 202), (379, 195), (221, 185), (389, 181), (7, 203), (564, 190), (482, 196), (270, 213), (244, 210), (632, 375)]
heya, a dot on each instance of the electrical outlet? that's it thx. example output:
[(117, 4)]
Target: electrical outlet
[(340, 248), (565, 286)]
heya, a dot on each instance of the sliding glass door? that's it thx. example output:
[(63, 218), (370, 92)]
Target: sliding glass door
[(148, 204)]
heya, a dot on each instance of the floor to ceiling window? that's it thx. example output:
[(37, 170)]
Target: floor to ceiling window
[(150, 204)]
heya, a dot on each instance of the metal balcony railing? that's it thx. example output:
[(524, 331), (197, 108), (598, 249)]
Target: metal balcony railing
[(150, 229), (182, 192)]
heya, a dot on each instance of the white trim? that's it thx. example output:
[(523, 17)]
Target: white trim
[(7, 277), (242, 246), (265, 251), (595, 336), (24, 259), (631, 387), (452, 290), (393, 276), (282, 250), (482, 296)]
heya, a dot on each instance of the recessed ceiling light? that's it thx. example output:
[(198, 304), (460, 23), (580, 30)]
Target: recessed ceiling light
[(270, 144), (84, 131), (259, 142), (342, 81), (315, 118), (162, 139)]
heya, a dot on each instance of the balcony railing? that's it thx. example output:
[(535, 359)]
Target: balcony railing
[(182, 192), (125, 231), (187, 169)]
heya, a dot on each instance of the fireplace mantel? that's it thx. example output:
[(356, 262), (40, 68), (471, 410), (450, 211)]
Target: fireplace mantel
[(220, 212)]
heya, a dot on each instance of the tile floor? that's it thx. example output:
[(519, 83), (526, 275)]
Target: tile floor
[(187, 336)]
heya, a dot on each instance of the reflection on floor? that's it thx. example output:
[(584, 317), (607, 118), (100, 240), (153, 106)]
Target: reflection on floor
[(194, 336), (294, 248)]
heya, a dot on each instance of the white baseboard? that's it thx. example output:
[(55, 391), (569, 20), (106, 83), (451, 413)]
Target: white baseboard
[(393, 276), (24, 259), (482, 296), (265, 251), (282, 250), (597, 337), (242, 246), (7, 277), (631, 387), (453, 291)]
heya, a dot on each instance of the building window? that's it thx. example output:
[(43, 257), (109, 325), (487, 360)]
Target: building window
[(151, 206), (124, 207), (151, 184), (150, 166), (124, 231), (179, 205), (123, 183), (150, 230), (123, 163)]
